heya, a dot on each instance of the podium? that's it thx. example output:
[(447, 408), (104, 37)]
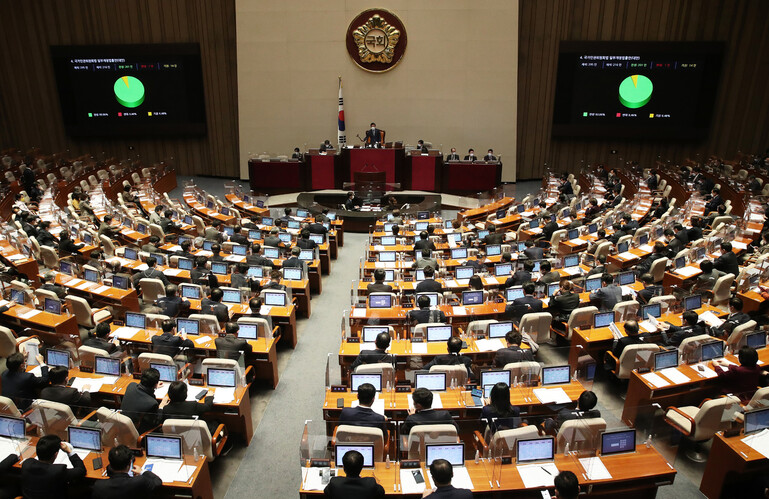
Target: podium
[(389, 161), (322, 171)]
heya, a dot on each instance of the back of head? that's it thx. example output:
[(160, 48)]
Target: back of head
[(475, 282), (500, 398), (217, 294), (379, 275), (566, 485), (14, 362), (454, 344), (151, 261), (631, 327), (177, 392), (748, 356), (150, 377), (736, 303), (690, 317), (659, 247), (171, 290), (545, 267), (587, 400), (352, 461), (58, 375), (442, 472), (231, 328), (647, 279), (423, 397), (423, 301), (120, 458), (429, 271), (528, 266), (366, 393), (102, 330), (529, 287), (513, 337), (275, 275), (255, 304), (47, 447), (168, 325), (706, 266), (296, 251), (607, 279), (726, 247), (382, 341)]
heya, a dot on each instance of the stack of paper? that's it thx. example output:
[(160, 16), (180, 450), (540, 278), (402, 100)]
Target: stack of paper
[(9, 446), (74, 282), (646, 248), (647, 326), (358, 313), (626, 255), (124, 333), (173, 272), (572, 270), (460, 480), (490, 281), (655, 380), (166, 469), (537, 475), (419, 348), (688, 271), (704, 371), (459, 311), (759, 442), (224, 395), (551, 395), (437, 403), (265, 310), (202, 340), (489, 345), (101, 289), (594, 468), (710, 319), (28, 314)]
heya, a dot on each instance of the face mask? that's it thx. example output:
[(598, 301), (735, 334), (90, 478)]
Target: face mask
[(373, 128)]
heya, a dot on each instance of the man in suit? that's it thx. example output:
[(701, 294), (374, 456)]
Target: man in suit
[(157, 214), (317, 227), (255, 258), (651, 182), (41, 479), (525, 304), (105, 229), (675, 334), (171, 303), (566, 485), (563, 303), (660, 251), (599, 267), (728, 261), (429, 285), (426, 260), (648, 292), (230, 344), (521, 276), (151, 246), (707, 279), (548, 229), (179, 407), (150, 273), (695, 232), (423, 413), (273, 240), (168, 342), (45, 238), (585, 410), (139, 402), (237, 236), (19, 385), (216, 253), (100, 339), (199, 274), (49, 284), (121, 484), (549, 275), (632, 338), (424, 314), (442, 473), (471, 155), (607, 296), (212, 233), (67, 246), (493, 237), (735, 318), (184, 250), (373, 136), (275, 277), (353, 202), (293, 261), (533, 252), (453, 156), (167, 224), (592, 210), (513, 351), (715, 201), (238, 278), (382, 343), (379, 286), (454, 358), (214, 306), (566, 188), (60, 392), (675, 243), (304, 241), (363, 414), (352, 484), (490, 156), (424, 242)]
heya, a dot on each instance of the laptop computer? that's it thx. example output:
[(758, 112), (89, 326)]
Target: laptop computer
[(189, 326), (223, 377), (556, 375), (84, 438), (11, 427), (55, 357), (665, 359), (163, 446), (106, 366), (532, 450), (248, 331), (756, 420), (453, 453)]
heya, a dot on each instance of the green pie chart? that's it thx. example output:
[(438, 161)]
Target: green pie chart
[(129, 91), (635, 91)]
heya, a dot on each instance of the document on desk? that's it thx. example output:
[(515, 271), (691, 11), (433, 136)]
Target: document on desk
[(460, 480), (759, 442), (688, 271), (490, 281), (4, 303), (646, 248), (627, 290), (84, 286), (205, 253), (594, 468), (572, 270), (162, 390), (437, 403), (9, 446), (409, 485), (647, 326), (739, 245), (202, 340), (142, 267), (16, 257), (224, 395), (74, 282), (125, 333), (458, 310), (265, 310), (626, 255), (451, 283), (233, 258), (674, 375), (166, 469), (93, 384), (37, 371), (378, 406), (703, 370), (358, 313), (28, 314), (711, 319), (173, 272), (367, 346), (419, 348), (489, 345), (101, 289), (537, 475), (551, 395), (655, 380)]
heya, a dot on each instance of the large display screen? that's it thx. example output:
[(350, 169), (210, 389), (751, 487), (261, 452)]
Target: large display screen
[(136, 90), (636, 89)]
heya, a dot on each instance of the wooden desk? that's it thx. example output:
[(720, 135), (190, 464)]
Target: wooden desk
[(121, 299), (24, 265), (730, 462), (62, 325), (477, 214), (398, 316), (206, 213)]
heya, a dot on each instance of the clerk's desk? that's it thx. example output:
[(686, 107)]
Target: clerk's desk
[(595, 342), (634, 475), (198, 485), (731, 462), (641, 393)]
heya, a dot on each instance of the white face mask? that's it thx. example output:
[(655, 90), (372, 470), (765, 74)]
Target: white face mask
[(373, 128)]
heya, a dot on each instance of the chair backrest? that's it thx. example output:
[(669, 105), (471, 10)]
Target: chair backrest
[(580, 434), (152, 289), (82, 310), (626, 310), (156, 320), (362, 435), (689, 346), (665, 300), (49, 256), (482, 326), (657, 269), (420, 435), (52, 417), (7, 342), (714, 415), (156, 230), (580, 317), (199, 225), (557, 237), (536, 324), (107, 245), (503, 443), (603, 249), (455, 375), (527, 372), (8, 407), (722, 289), (209, 324), (737, 338), (264, 325), (723, 219), (194, 433), (634, 357), (760, 399), (116, 427), (383, 368), (226, 364), (147, 358), (87, 355)]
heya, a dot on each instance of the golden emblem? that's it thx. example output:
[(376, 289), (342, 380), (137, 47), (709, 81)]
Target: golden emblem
[(376, 40)]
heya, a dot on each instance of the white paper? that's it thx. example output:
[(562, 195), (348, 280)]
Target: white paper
[(647, 326), (29, 314), (419, 348), (537, 475), (162, 390), (459, 311), (101, 289), (739, 245), (378, 406), (202, 340), (572, 270), (490, 281), (489, 345), (367, 346), (4, 303), (38, 371), (16, 257), (645, 248), (551, 395), (626, 255), (10, 446), (711, 319), (93, 384), (759, 442), (409, 485), (166, 469), (224, 395), (704, 371), (234, 258), (460, 480), (655, 380), (674, 375), (63, 458), (437, 404), (451, 283), (141, 267), (125, 333), (74, 282), (688, 271), (205, 253), (594, 468), (359, 313), (265, 310), (172, 272)]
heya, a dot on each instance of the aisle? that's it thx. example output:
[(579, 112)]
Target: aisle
[(270, 467)]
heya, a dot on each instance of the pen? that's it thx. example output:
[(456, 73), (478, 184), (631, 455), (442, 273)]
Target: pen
[(545, 470)]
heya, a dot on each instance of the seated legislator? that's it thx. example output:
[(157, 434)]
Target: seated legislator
[(585, 410), (425, 314), (274, 283), (533, 252), (490, 156), (424, 242), (499, 413), (273, 240), (442, 472), (317, 227), (494, 237), (238, 278), (304, 241), (566, 485), (18, 384), (170, 342), (513, 351), (648, 292), (255, 258), (423, 413), (99, 338), (470, 156), (632, 338), (255, 306), (41, 479), (179, 407), (735, 318), (426, 260), (352, 484), (139, 402), (216, 249), (563, 303), (66, 245), (379, 286), (453, 156), (152, 245), (453, 358), (63, 394), (382, 343), (229, 344), (599, 267), (150, 273), (521, 276), (353, 202), (374, 136), (741, 380), (237, 236), (675, 334), (607, 296), (525, 304), (363, 414), (213, 305), (126, 479), (549, 275), (293, 261), (49, 284), (199, 274), (429, 285), (171, 303), (728, 261)]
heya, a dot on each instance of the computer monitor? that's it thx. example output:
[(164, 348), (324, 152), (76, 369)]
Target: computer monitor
[(207, 245), (91, 275), (106, 366), (420, 226), (224, 377), (493, 249), (231, 295), (230, 231), (692, 302), (570, 261), (465, 272), (643, 239), (131, 254), (513, 293), (87, 238), (51, 305), (680, 262), (167, 372), (501, 213), (268, 221), (665, 359), (307, 255), (712, 350), (190, 326), (438, 333), (133, 319), (556, 375), (387, 256), (603, 319), (572, 234), (127, 223), (159, 257), (389, 275), (433, 298), (592, 228), (11, 427), (419, 275), (756, 339), (183, 239), (623, 247), (248, 331), (163, 446), (499, 329), (503, 269), (187, 220), (55, 357), (423, 215), (459, 253), (302, 213), (293, 224), (292, 273), (370, 333), (453, 453), (210, 205), (367, 451), (120, 282), (188, 291), (435, 382), (534, 449), (65, 268), (552, 288), (388, 227), (254, 234), (482, 234), (84, 438), (456, 237), (654, 310), (273, 299), (756, 420), (358, 379), (239, 250), (388, 241), (520, 208), (617, 442), (700, 252), (219, 268), (537, 265), (626, 278), (380, 301), (492, 377), (271, 253), (474, 297), (140, 227), (185, 264), (533, 224)]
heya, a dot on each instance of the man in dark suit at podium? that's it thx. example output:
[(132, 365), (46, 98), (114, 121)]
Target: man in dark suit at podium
[(490, 156), (453, 156), (374, 136), (471, 155)]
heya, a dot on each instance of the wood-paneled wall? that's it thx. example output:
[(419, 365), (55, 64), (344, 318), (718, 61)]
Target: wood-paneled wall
[(30, 115), (741, 112)]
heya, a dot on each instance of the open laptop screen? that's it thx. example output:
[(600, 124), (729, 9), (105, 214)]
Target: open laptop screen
[(535, 449), (164, 446), (555, 375), (616, 442), (453, 453), (367, 451)]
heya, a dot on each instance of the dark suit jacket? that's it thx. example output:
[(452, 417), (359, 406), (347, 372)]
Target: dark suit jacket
[(169, 344), (619, 347), (306, 243), (122, 486), (95, 342), (59, 290), (259, 260), (233, 345), (739, 380), (361, 416), (375, 287), (694, 233), (69, 246), (41, 480), (429, 286), (345, 487), (150, 274), (424, 243), (451, 360), (239, 239), (605, 298), (520, 277), (66, 395), (170, 305), (292, 262), (495, 238), (372, 357), (427, 416), (490, 414), (507, 355), (373, 136), (423, 316), (187, 409), (273, 241), (451, 492), (534, 253), (548, 229), (675, 335), (316, 228), (523, 305), (209, 306), (139, 404), (452, 157), (471, 158), (562, 306), (728, 263), (22, 387)]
